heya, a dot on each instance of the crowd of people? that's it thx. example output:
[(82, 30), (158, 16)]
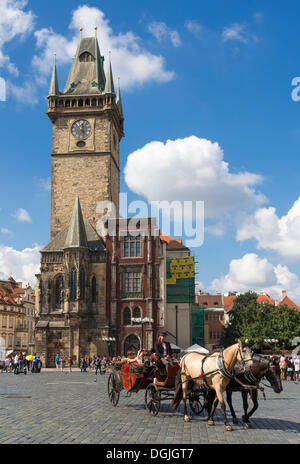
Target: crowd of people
[(289, 368), (18, 362)]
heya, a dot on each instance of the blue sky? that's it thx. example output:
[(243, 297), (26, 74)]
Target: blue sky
[(222, 71)]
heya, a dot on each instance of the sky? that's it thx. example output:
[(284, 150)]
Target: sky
[(210, 115)]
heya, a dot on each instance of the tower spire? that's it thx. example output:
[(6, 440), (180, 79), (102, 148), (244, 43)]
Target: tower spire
[(76, 236), (109, 85), (54, 90), (119, 99)]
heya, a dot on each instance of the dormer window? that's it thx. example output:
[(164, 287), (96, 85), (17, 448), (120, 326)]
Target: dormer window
[(86, 57)]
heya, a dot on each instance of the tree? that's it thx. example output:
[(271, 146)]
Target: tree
[(259, 322)]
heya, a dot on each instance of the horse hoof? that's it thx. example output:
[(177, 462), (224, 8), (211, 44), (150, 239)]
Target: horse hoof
[(235, 421), (228, 428), (187, 419), (247, 426), (211, 423)]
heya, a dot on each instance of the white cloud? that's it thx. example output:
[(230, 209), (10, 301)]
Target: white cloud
[(130, 60), (193, 26), (237, 33), (25, 94), (44, 184), (6, 231), (274, 233), (162, 32), (218, 230), (14, 21), (22, 215), (23, 265), (191, 169), (257, 274)]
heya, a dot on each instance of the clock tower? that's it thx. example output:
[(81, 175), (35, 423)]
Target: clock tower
[(87, 119)]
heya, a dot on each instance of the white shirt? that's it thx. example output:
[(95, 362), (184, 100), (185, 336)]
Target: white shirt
[(297, 365), (165, 349)]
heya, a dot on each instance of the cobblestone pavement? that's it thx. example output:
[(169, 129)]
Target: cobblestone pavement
[(54, 407)]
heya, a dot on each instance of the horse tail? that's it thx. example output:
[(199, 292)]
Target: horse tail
[(178, 391)]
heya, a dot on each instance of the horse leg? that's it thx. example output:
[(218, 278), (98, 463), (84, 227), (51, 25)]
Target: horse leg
[(219, 393), (246, 421), (212, 411), (184, 398), (229, 402), (254, 397)]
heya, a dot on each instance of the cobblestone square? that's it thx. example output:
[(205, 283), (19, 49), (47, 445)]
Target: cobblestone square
[(55, 407)]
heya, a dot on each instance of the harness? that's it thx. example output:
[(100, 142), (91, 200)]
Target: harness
[(222, 369)]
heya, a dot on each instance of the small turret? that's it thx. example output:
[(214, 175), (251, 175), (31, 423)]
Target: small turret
[(54, 90)]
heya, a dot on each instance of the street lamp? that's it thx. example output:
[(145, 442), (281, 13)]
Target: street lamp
[(142, 322), (109, 341)]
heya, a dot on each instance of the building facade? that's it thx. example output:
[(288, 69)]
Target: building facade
[(17, 316), (180, 291)]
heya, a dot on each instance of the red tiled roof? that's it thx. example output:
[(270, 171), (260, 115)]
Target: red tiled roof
[(288, 302), (173, 243), (229, 301), (210, 301)]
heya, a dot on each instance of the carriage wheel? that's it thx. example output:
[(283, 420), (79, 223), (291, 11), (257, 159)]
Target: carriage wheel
[(152, 399), (113, 394), (195, 402)]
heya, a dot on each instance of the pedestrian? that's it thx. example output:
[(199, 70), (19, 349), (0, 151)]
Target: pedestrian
[(57, 361), (16, 363), (70, 364), (297, 369), (62, 364), (21, 361), (35, 363), (7, 364), (289, 371), (98, 365), (282, 364)]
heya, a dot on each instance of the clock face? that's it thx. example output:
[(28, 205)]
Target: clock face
[(81, 129)]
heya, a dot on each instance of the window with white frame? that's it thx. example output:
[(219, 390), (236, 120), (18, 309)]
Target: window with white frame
[(132, 282)]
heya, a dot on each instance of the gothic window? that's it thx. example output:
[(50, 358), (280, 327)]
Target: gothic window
[(136, 312), (132, 282), (131, 343), (86, 57), (73, 284), (82, 283), (94, 290), (58, 291), (126, 316), (132, 247)]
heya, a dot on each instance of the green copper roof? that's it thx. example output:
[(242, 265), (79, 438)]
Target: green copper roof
[(86, 77), (109, 86), (119, 101), (54, 83), (76, 236)]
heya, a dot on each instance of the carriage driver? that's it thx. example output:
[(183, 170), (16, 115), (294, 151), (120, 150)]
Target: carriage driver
[(163, 350)]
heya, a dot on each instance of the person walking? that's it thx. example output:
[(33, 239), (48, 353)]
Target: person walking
[(62, 364), (282, 365), (16, 363), (7, 364), (289, 371), (57, 361), (98, 365), (70, 364), (297, 369)]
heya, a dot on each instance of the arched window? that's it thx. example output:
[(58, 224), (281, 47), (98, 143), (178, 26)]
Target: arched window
[(86, 57), (137, 312), (82, 283), (58, 291), (131, 343), (126, 316), (94, 290), (80, 102), (73, 284)]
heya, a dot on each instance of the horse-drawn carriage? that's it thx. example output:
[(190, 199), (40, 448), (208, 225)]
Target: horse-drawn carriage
[(158, 382)]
